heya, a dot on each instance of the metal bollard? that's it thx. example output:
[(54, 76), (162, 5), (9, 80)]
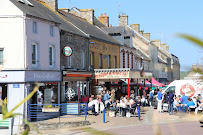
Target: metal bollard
[(138, 112), (85, 113), (104, 116)]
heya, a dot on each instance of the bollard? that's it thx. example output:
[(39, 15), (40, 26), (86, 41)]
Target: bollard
[(138, 112), (85, 113), (104, 116)]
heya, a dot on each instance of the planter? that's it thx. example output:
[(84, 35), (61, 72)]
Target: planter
[(50, 109)]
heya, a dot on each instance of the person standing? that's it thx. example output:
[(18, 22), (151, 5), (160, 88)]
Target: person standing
[(106, 98), (170, 102), (151, 94), (160, 95)]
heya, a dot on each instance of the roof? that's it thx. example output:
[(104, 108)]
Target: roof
[(161, 60), (92, 30), (98, 23), (128, 33), (114, 29), (145, 56), (39, 10)]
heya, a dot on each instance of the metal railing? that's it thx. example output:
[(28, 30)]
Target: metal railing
[(38, 112)]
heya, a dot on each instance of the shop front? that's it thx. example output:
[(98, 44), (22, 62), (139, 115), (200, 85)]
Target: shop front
[(16, 85)]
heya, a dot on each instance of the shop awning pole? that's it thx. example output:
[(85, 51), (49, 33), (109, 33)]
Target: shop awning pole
[(144, 82), (128, 87), (151, 83), (137, 86)]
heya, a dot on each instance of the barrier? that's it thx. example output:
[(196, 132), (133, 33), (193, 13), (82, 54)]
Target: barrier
[(37, 112)]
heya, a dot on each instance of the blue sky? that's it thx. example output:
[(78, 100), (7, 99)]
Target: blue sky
[(162, 18)]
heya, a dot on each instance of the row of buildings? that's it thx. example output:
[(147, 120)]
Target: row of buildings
[(68, 50)]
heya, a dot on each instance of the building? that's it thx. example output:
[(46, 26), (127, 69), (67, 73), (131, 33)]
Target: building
[(26, 57)]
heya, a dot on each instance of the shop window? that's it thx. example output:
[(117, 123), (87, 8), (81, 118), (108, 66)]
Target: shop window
[(71, 91), (35, 58), (1, 56), (51, 56)]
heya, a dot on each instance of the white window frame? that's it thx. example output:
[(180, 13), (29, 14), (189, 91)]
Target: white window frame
[(100, 60), (53, 56), (36, 53), (2, 59), (34, 27), (82, 59), (51, 30), (69, 62)]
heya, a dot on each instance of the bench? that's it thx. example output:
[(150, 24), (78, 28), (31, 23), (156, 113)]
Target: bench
[(4, 123)]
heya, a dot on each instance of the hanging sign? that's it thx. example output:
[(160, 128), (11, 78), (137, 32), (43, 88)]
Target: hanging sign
[(67, 51)]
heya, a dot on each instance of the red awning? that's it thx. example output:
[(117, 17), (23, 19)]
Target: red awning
[(157, 83)]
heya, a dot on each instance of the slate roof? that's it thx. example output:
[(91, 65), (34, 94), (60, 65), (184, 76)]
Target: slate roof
[(114, 29), (98, 23), (42, 12), (93, 31)]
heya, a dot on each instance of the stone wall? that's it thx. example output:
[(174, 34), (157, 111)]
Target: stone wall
[(78, 45)]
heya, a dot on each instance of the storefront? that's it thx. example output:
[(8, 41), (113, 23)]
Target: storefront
[(75, 86), (129, 76), (16, 85)]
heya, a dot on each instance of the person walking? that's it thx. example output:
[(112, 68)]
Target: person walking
[(170, 102), (160, 95), (151, 94)]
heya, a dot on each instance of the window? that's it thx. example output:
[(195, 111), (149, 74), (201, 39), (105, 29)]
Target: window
[(128, 59), (171, 89), (1, 56), (69, 62), (109, 60), (100, 60), (51, 56), (82, 59), (123, 59), (34, 27), (52, 31), (34, 54), (132, 64), (92, 59), (115, 61)]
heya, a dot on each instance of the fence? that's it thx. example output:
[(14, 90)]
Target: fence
[(37, 112)]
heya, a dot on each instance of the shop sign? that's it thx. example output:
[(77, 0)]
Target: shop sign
[(112, 75), (16, 85), (67, 51), (12, 76)]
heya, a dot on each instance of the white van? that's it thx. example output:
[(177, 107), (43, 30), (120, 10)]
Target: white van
[(189, 87)]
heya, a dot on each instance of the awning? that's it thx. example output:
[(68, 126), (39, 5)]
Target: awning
[(157, 83)]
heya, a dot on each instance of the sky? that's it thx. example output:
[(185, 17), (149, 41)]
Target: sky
[(162, 18)]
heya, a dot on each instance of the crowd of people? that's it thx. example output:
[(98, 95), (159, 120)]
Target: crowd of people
[(109, 101)]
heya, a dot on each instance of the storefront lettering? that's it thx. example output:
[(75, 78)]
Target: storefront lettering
[(111, 75), (44, 76)]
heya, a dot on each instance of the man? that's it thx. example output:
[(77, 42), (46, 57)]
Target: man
[(190, 102), (170, 102), (160, 95), (106, 98), (91, 105), (151, 94), (183, 101)]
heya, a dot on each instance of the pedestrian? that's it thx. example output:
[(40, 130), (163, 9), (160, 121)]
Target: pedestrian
[(170, 102), (106, 98), (160, 96), (151, 94)]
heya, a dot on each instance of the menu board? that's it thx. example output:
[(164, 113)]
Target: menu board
[(47, 96)]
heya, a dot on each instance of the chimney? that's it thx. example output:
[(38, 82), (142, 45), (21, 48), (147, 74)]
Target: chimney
[(88, 14), (136, 27), (141, 32), (167, 48), (146, 35), (110, 25), (104, 19), (123, 20), (156, 42), (53, 4), (163, 45)]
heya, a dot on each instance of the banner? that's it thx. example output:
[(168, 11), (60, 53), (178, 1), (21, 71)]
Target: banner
[(112, 75)]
